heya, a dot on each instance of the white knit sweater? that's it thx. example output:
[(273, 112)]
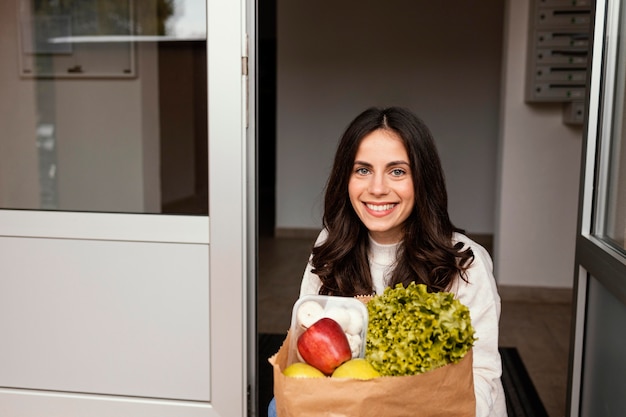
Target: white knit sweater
[(479, 294)]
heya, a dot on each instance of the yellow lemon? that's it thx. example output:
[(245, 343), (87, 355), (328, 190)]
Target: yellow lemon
[(303, 370), (357, 368)]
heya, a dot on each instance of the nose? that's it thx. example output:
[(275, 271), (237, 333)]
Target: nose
[(378, 185)]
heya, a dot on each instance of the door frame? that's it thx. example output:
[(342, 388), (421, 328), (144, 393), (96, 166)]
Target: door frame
[(232, 202)]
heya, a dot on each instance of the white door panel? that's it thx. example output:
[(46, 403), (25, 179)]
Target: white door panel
[(120, 318), (29, 403)]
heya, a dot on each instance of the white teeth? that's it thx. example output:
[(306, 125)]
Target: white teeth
[(380, 207)]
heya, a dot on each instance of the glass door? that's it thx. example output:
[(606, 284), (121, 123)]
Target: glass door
[(124, 208), (597, 366)]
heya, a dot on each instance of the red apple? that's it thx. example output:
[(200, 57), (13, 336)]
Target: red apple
[(324, 345)]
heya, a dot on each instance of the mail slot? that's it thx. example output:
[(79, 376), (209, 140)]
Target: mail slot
[(559, 39), (561, 74), (562, 57), (571, 17)]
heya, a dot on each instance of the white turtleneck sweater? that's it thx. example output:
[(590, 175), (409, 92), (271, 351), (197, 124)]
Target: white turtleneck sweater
[(479, 294)]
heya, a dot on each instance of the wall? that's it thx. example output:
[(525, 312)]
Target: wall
[(539, 168), (333, 62)]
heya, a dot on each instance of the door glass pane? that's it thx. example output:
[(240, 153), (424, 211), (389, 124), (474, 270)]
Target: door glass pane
[(616, 216), (604, 368), (615, 212), (104, 106)]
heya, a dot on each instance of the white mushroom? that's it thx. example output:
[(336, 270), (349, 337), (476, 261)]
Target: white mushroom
[(308, 313), (356, 322), (355, 344), (340, 315)]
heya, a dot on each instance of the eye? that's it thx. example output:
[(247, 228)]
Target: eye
[(362, 171), (398, 172)]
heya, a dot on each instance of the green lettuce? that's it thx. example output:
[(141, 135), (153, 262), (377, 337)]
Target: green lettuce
[(412, 331)]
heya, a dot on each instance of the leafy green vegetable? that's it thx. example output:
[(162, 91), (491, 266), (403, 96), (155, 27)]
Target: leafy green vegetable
[(412, 331)]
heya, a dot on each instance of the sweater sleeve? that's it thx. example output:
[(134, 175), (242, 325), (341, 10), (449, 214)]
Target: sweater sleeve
[(311, 283), (480, 295)]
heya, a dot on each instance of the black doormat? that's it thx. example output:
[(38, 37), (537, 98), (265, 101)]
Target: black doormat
[(522, 399)]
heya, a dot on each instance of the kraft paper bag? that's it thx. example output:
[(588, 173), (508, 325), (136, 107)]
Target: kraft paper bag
[(443, 392)]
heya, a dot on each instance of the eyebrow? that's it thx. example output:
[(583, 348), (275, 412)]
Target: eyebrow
[(389, 164)]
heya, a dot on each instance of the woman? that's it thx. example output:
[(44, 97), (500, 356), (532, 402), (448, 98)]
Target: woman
[(386, 222)]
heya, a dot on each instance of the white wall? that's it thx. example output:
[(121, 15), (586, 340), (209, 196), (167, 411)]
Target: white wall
[(538, 177), (441, 59)]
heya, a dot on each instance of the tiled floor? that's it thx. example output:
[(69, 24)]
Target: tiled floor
[(537, 324)]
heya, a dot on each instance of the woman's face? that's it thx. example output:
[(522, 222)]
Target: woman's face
[(381, 186)]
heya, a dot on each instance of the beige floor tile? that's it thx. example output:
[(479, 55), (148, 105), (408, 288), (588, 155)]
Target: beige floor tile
[(540, 332)]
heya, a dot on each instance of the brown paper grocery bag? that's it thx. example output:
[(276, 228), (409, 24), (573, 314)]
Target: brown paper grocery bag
[(444, 392)]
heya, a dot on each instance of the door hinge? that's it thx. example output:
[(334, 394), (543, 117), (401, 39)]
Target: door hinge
[(246, 80), (244, 65), (244, 58)]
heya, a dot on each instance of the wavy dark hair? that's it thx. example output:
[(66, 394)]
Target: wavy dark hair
[(426, 254)]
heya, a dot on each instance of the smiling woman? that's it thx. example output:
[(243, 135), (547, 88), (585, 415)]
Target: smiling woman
[(386, 223), (387, 185)]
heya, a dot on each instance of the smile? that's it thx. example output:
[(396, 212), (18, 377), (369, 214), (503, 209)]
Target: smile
[(380, 207)]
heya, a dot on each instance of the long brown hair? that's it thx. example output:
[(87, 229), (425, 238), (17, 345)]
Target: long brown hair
[(426, 254)]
